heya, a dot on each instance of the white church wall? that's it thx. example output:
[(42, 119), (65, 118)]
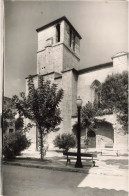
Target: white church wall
[(120, 62), (53, 134), (67, 101), (85, 80)]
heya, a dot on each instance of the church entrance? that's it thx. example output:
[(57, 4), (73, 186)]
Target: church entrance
[(90, 142), (91, 136)]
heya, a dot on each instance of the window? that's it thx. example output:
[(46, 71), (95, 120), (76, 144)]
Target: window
[(96, 94), (73, 42), (72, 38), (58, 33), (10, 130)]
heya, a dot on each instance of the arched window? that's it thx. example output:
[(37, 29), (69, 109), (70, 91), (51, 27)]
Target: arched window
[(95, 92)]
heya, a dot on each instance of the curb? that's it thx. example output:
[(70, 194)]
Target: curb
[(54, 168), (66, 169)]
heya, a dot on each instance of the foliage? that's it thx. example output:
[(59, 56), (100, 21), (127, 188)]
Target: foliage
[(19, 123), (8, 118), (88, 120), (88, 114), (14, 143), (41, 106), (91, 133), (114, 96), (65, 141)]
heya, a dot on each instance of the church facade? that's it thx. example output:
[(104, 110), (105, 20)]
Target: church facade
[(58, 60)]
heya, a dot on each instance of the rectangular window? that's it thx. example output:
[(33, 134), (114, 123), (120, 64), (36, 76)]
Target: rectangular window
[(58, 33), (70, 40), (10, 130), (73, 42)]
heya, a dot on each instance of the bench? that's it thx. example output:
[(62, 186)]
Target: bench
[(82, 155), (108, 150)]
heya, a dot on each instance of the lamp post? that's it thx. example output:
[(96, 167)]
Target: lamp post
[(78, 162)]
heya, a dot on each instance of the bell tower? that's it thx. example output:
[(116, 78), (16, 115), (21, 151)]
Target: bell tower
[(58, 47)]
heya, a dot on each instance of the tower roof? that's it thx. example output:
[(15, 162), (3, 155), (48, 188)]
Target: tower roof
[(56, 21)]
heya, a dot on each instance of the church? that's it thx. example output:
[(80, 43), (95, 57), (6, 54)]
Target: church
[(58, 60)]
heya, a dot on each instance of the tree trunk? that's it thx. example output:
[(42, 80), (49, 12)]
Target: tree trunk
[(41, 148), (86, 139), (86, 133), (41, 145)]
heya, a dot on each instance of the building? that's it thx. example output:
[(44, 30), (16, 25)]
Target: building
[(9, 110), (58, 60)]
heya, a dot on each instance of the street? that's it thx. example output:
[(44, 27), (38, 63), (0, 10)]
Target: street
[(23, 181)]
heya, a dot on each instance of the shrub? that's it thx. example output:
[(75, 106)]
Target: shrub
[(14, 143), (65, 141)]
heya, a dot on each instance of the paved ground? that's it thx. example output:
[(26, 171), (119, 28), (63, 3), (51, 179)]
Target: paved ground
[(19, 181), (107, 182), (109, 164), (109, 177)]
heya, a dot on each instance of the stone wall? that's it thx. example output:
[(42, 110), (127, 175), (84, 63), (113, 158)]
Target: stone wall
[(104, 135), (120, 62), (86, 79), (52, 135), (49, 33), (74, 93), (49, 77), (120, 137), (67, 29), (31, 134), (67, 101), (35, 80), (70, 59), (50, 59), (56, 58)]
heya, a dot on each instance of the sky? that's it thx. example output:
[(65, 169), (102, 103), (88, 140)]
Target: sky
[(102, 25)]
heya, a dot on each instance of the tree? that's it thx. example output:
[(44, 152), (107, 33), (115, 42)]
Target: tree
[(19, 123), (41, 106), (114, 96), (8, 118), (65, 141), (88, 120), (88, 114)]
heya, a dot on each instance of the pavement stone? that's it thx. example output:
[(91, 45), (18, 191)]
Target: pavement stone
[(105, 165)]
